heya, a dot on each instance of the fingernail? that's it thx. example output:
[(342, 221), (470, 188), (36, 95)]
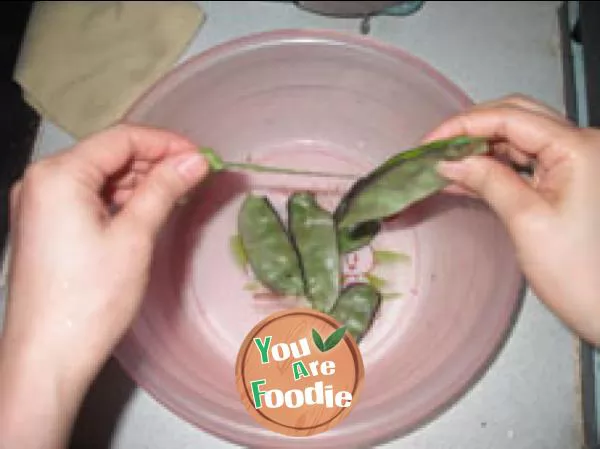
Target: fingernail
[(190, 165), (451, 169)]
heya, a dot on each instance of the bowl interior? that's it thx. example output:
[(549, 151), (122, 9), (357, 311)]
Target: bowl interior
[(330, 102)]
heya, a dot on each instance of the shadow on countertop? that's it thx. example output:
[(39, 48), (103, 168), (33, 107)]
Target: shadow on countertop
[(18, 122), (102, 408)]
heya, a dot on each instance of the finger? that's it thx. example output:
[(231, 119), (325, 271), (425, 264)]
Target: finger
[(532, 133), (498, 185), (133, 175), (151, 202), (455, 189), (129, 180), (141, 166), (512, 153), (526, 103), (122, 196), (110, 151)]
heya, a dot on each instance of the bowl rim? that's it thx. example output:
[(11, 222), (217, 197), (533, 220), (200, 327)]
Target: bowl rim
[(281, 36), (297, 34)]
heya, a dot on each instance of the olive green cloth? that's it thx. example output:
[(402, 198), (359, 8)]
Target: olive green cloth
[(83, 64)]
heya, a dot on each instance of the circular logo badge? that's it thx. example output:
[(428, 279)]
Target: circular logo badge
[(299, 373)]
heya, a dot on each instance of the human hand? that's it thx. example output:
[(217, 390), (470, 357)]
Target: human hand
[(80, 267), (554, 217)]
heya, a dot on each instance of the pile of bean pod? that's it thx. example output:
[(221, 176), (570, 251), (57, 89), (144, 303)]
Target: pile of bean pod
[(304, 257)]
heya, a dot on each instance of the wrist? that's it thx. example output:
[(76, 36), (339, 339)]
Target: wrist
[(26, 358), (37, 391)]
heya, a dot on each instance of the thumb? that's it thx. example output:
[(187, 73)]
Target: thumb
[(501, 187), (166, 183)]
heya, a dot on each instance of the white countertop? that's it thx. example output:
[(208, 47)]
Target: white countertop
[(529, 396)]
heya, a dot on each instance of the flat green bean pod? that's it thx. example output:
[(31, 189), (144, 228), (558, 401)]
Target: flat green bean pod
[(268, 247), (354, 238), (313, 232), (356, 307), (402, 180)]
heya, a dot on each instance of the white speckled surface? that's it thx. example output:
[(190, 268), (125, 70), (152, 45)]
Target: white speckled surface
[(528, 398)]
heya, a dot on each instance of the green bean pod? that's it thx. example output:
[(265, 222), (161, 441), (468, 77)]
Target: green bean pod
[(268, 247), (354, 238), (356, 307), (313, 232), (402, 180)]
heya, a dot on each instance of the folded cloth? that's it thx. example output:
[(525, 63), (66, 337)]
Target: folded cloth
[(83, 64)]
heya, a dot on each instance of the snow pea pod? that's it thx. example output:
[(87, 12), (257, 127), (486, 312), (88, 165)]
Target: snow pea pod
[(403, 180), (356, 307), (354, 238), (313, 232), (269, 250)]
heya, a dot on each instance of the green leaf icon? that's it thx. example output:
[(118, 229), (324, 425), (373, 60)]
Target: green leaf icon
[(334, 338), (318, 340), (331, 342)]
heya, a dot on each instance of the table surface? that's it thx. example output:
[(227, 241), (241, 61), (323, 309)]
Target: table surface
[(529, 396)]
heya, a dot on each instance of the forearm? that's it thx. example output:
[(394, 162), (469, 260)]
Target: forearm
[(78, 273), (39, 399)]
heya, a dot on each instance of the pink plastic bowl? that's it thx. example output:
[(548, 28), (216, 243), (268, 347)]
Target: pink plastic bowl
[(325, 101)]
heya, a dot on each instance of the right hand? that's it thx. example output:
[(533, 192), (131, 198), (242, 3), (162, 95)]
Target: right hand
[(554, 217)]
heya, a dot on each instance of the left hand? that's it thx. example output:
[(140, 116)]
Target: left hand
[(79, 269)]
